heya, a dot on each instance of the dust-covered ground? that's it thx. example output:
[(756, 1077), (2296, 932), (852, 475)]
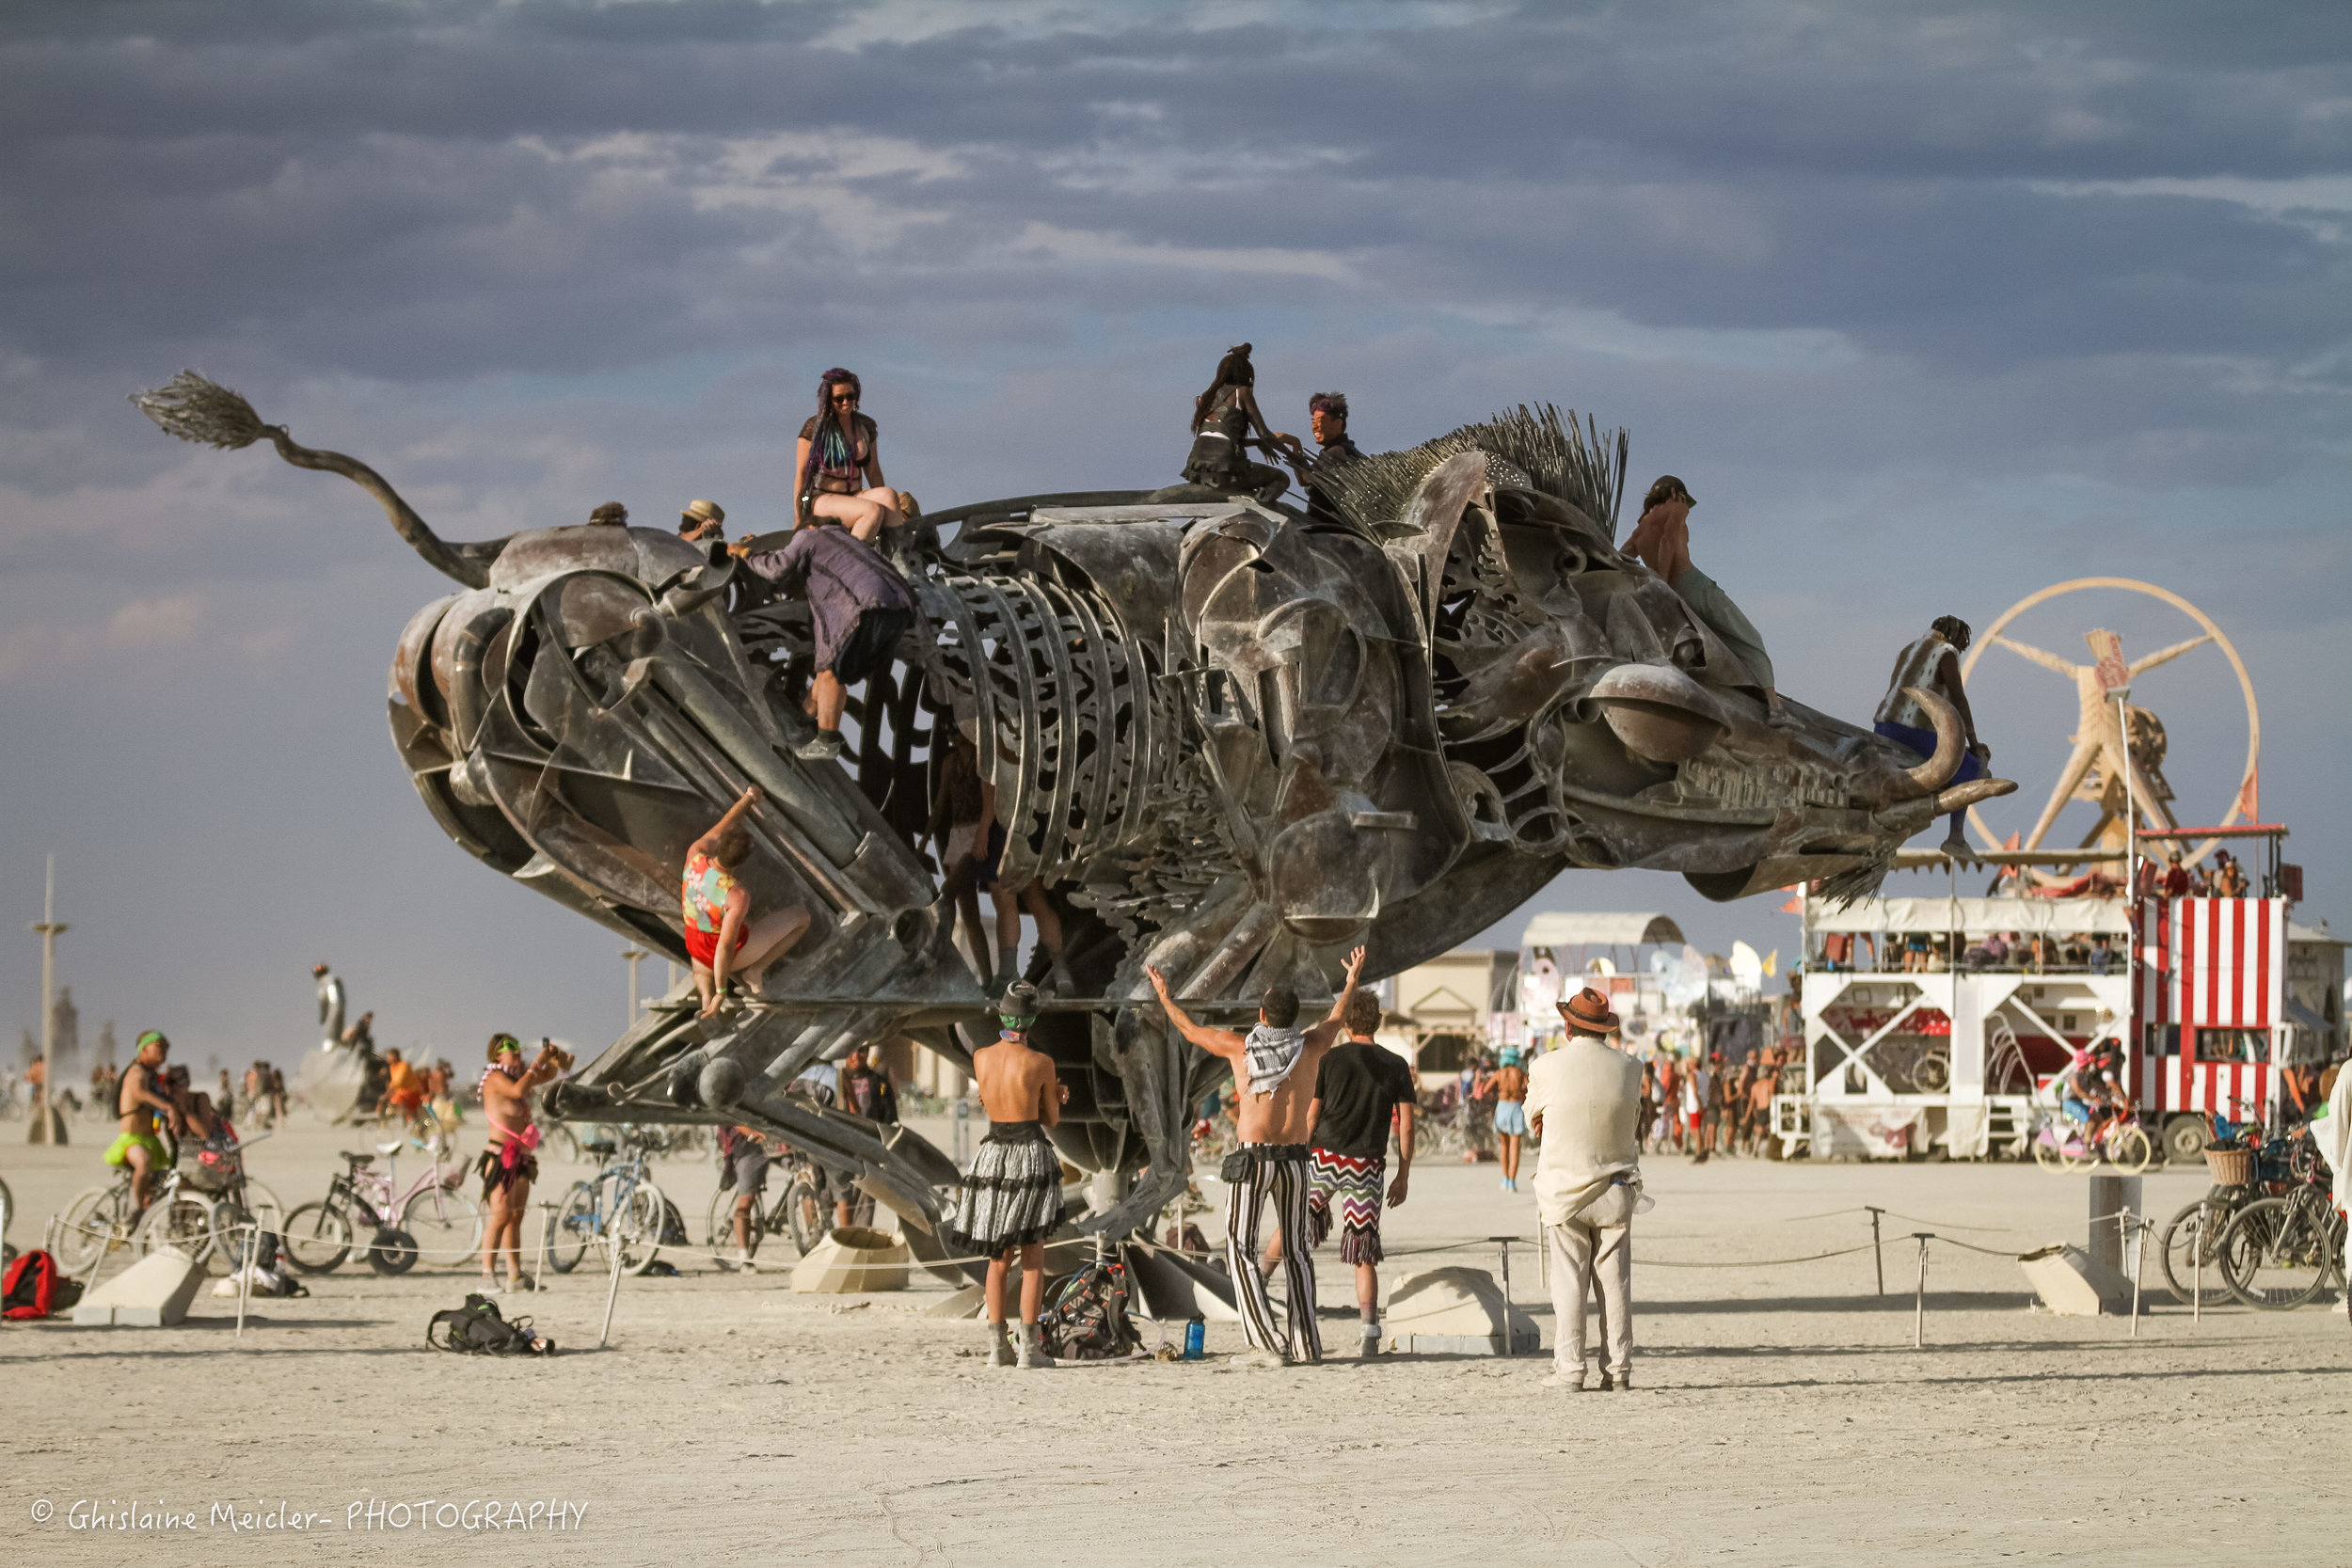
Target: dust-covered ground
[(1781, 1414)]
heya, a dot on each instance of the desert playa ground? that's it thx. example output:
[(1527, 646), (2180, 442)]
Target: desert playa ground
[(1782, 1413)]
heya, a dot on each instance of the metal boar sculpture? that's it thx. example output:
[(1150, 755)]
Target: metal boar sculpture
[(1231, 740)]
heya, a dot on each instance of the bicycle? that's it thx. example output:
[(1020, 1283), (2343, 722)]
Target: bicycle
[(619, 1208), (801, 1211), (218, 1171), (2058, 1144), (2246, 1166), (104, 1218), (434, 1220), (2284, 1252)]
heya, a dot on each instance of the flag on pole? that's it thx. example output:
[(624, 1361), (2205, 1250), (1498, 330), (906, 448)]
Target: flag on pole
[(2250, 797), (2114, 674)]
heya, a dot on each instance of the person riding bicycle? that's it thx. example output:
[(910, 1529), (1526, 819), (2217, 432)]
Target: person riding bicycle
[(2091, 1092), (145, 1110)]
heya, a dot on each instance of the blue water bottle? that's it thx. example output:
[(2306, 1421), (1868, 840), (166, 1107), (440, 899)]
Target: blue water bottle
[(1196, 1339)]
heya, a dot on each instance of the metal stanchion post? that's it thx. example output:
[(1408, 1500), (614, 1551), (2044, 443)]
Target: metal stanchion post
[(539, 1270), (245, 1272), (1919, 1308), (2197, 1290), (1877, 1251), (2139, 1252), (1506, 1241), (612, 1295)]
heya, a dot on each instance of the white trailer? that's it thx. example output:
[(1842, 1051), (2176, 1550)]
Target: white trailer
[(1906, 1053)]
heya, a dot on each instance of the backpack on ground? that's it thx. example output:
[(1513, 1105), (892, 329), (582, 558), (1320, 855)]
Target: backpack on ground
[(1087, 1320), (673, 1226), (477, 1328), (34, 1287)]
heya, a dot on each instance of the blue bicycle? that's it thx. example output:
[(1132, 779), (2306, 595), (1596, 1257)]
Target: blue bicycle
[(619, 1208)]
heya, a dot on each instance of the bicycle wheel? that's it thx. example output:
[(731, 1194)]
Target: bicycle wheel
[(2129, 1150), (806, 1213), (721, 1230), (183, 1223), (94, 1224), (7, 1209), (2274, 1254), (2199, 1227), (572, 1227), (446, 1223), (317, 1239), (263, 1204), (637, 1228)]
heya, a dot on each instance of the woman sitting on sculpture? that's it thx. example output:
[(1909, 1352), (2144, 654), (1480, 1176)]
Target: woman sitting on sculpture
[(1222, 419), (838, 466)]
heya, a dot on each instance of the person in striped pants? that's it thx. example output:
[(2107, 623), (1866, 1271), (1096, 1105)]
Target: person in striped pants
[(1276, 1065)]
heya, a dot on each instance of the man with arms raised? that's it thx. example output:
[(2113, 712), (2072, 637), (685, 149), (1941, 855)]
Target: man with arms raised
[(1274, 1068), (1011, 1198), (1583, 1101)]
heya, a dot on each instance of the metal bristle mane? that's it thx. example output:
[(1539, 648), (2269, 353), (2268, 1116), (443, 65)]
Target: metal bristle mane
[(196, 408), (1527, 448), (1850, 887)]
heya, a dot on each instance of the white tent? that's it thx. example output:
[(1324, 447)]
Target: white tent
[(1567, 929), (1973, 916)]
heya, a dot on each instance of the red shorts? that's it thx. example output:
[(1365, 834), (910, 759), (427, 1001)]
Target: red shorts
[(703, 946)]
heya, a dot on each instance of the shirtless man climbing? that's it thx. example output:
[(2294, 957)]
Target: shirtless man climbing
[(1011, 1197), (1275, 1067), (139, 1101)]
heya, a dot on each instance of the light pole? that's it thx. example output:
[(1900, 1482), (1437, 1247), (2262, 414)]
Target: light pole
[(633, 955), (49, 1127)]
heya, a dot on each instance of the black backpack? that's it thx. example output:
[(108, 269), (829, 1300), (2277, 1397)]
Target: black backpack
[(478, 1329), (1088, 1318)]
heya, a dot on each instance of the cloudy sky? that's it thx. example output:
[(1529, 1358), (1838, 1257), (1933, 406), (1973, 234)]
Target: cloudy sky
[(1932, 305)]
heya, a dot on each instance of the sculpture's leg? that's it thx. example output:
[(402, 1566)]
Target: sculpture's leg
[(1151, 1068)]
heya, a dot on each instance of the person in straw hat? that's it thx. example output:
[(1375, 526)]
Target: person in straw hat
[(1582, 1101), (703, 523)]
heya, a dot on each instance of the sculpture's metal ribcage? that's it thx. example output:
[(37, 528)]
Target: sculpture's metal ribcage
[(1081, 739)]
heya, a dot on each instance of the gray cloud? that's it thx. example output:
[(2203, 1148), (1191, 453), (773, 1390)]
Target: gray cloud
[(1933, 305)]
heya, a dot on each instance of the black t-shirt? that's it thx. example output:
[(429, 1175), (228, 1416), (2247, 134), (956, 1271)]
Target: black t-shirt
[(1359, 1084), (873, 1096)]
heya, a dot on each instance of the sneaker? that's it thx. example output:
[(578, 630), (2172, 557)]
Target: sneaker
[(1616, 1382), (1571, 1383), (823, 747), (743, 1261), (1504, 1184)]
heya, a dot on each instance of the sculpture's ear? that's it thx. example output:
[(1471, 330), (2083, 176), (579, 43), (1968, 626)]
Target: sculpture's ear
[(1431, 517)]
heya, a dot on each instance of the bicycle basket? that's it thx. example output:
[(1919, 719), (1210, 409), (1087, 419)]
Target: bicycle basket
[(2230, 1167), (214, 1169)]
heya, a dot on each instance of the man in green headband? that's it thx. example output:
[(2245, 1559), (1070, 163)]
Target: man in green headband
[(1011, 1198), (142, 1105)]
